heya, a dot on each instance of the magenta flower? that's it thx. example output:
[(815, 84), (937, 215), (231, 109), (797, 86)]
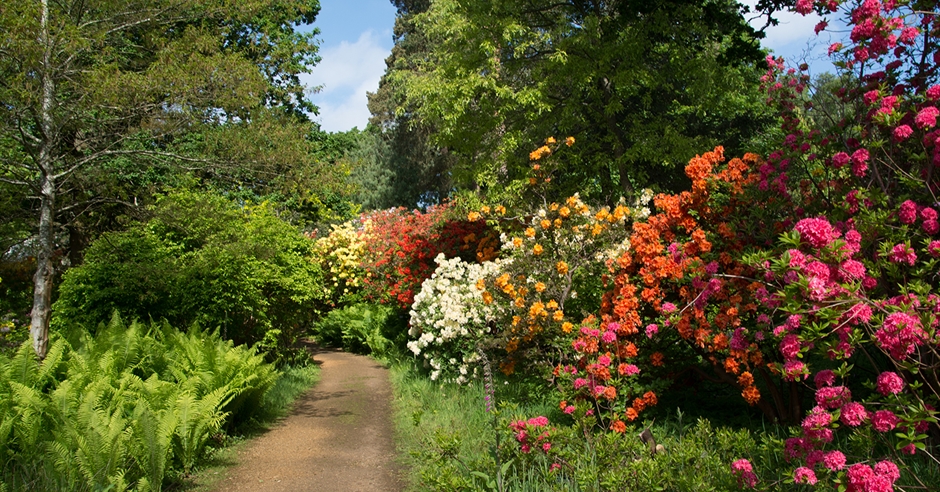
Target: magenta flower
[(840, 159), (834, 460), (744, 472), (884, 420), (824, 378), (833, 397), (651, 329), (817, 232), (889, 383), (668, 307), (908, 212), (853, 414), (804, 475), (902, 253), (902, 133), (934, 248), (860, 162), (927, 117), (931, 227)]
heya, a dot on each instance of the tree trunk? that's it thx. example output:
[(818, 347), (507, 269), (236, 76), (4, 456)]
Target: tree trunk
[(42, 280)]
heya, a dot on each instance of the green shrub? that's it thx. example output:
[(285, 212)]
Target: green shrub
[(123, 409), (363, 328), (201, 259)]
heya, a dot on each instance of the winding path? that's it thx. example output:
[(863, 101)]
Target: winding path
[(337, 438)]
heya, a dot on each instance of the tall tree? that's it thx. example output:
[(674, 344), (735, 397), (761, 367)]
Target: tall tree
[(643, 85), (91, 87)]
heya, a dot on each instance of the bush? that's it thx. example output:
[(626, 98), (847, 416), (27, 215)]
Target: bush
[(201, 259), (123, 409), (363, 328)]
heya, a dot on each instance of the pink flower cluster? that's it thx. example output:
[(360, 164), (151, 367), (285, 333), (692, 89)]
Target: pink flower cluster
[(744, 472), (900, 334), (864, 478), (526, 429)]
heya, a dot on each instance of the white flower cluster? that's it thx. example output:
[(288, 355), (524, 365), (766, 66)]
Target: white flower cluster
[(448, 317)]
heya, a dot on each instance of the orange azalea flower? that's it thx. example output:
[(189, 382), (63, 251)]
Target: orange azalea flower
[(545, 223), (485, 209), (656, 359), (529, 232), (569, 141), (562, 268), (540, 287), (516, 320), (487, 298), (632, 414), (563, 404), (650, 398), (567, 327), (559, 315), (508, 367), (550, 140), (519, 302), (639, 404), (473, 216), (552, 304), (517, 242), (557, 223), (537, 250), (532, 181), (512, 345), (610, 393), (731, 365), (746, 379), (564, 212), (553, 206), (618, 426), (751, 394)]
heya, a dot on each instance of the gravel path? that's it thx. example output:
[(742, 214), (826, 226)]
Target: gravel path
[(338, 437)]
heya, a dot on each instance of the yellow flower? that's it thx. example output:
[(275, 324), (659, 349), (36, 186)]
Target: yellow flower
[(473, 216), (540, 287), (487, 298), (519, 302), (537, 250), (545, 223), (557, 223), (500, 209), (562, 268), (552, 304), (516, 320), (481, 284), (569, 141), (485, 209), (567, 327), (529, 232), (564, 212), (553, 207), (550, 140), (559, 315), (532, 181), (517, 242)]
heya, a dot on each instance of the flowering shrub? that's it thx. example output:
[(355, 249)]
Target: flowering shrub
[(400, 247), (449, 318), (339, 255)]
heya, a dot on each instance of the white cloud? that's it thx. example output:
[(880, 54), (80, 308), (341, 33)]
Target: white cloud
[(346, 72)]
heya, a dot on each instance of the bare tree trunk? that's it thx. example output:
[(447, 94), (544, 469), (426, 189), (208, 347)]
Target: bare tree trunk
[(42, 280)]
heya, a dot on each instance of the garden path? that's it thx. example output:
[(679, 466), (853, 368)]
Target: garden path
[(337, 438)]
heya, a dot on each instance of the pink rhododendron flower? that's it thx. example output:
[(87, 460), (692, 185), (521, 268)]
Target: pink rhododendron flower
[(884, 420), (804, 475), (744, 472), (860, 162), (889, 383), (609, 337), (900, 334), (833, 397), (840, 159), (804, 7), (824, 378), (928, 213), (934, 248), (902, 253), (852, 270), (580, 383), (834, 460), (853, 414), (931, 227), (790, 347), (817, 232), (793, 370), (908, 212), (569, 409), (651, 329), (933, 93), (927, 117), (668, 307), (902, 133)]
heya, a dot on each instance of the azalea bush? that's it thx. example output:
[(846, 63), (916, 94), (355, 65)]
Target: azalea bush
[(450, 320), (340, 255), (400, 247)]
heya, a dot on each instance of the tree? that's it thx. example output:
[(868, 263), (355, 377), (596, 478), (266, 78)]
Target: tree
[(89, 87), (643, 86)]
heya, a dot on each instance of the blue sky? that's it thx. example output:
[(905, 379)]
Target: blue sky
[(356, 37)]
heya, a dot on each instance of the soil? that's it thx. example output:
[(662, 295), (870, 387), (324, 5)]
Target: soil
[(337, 438)]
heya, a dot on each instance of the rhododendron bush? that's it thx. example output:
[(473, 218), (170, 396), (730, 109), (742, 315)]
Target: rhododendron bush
[(400, 247)]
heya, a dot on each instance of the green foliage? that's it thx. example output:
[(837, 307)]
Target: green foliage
[(203, 259), (122, 409), (364, 328)]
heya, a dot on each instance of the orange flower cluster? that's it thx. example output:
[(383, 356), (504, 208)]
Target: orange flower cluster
[(675, 257)]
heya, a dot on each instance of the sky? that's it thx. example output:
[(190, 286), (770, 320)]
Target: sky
[(356, 37)]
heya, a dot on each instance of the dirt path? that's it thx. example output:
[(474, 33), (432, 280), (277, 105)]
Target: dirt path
[(338, 437)]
